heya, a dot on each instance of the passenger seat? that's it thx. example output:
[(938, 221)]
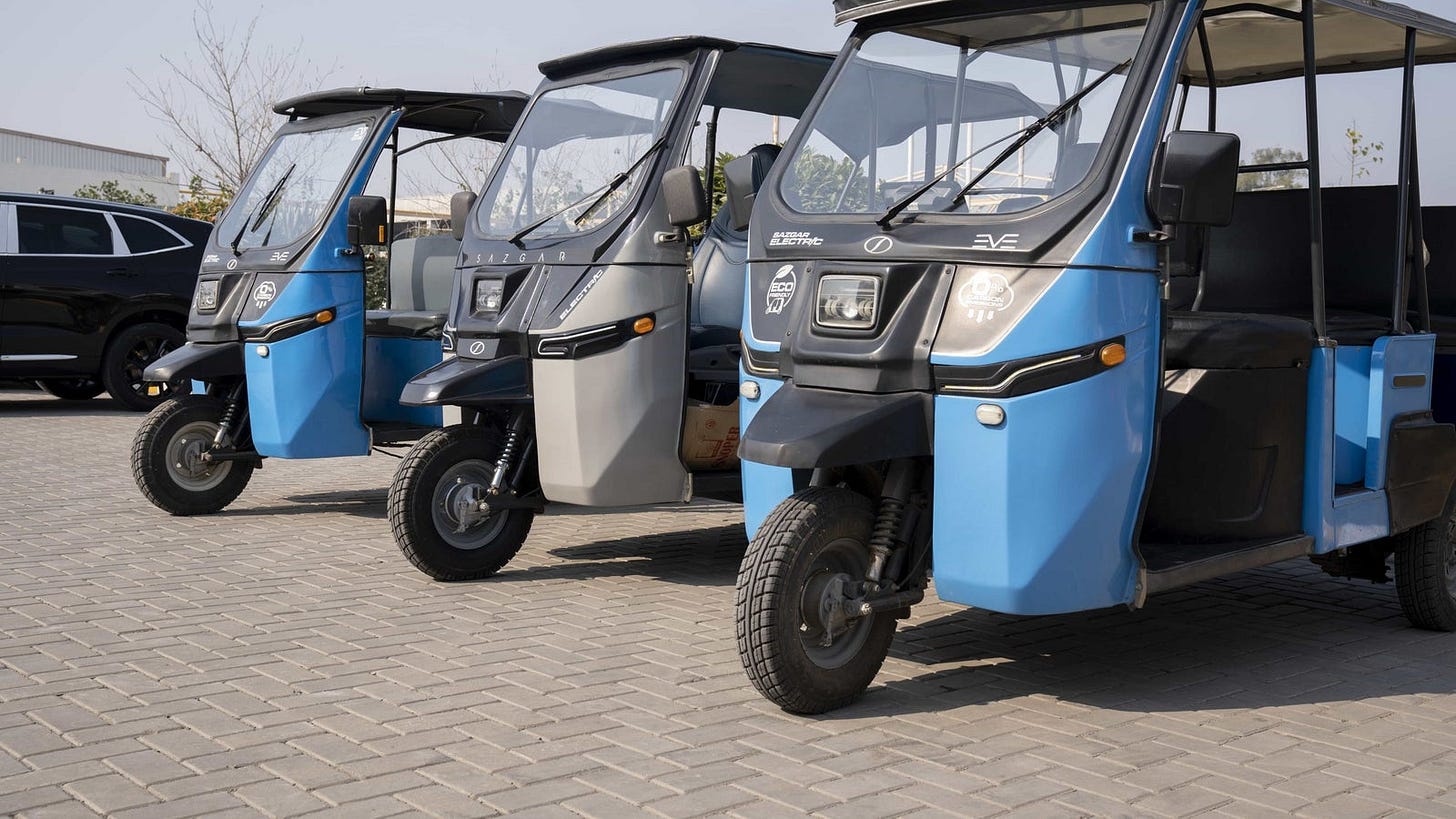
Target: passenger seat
[(421, 286)]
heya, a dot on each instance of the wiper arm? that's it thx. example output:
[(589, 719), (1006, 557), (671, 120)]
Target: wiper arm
[(596, 197), (256, 216), (1022, 137), (1029, 133)]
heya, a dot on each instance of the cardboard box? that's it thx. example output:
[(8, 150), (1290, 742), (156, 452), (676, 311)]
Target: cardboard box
[(710, 437)]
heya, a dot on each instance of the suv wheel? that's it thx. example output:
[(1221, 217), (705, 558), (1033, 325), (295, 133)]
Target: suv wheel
[(127, 358)]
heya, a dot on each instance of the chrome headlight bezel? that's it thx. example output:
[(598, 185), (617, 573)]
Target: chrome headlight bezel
[(845, 301)]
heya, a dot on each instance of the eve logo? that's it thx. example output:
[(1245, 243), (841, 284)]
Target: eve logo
[(1007, 241)]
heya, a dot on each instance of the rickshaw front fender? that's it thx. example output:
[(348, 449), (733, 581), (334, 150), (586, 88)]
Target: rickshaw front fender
[(198, 362), (807, 428), (464, 382)]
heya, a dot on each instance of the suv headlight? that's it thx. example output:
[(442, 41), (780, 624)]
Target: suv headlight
[(489, 296), (847, 302), (206, 296)]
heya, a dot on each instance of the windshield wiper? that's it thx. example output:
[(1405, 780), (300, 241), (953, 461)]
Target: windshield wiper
[(256, 216), (596, 197), (1022, 137)]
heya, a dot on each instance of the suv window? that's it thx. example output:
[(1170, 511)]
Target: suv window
[(145, 237), (63, 231)]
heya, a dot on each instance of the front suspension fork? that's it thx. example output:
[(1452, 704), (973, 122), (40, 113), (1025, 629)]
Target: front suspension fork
[(893, 543)]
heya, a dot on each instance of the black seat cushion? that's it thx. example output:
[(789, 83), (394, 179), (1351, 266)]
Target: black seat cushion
[(1236, 341), (403, 324)]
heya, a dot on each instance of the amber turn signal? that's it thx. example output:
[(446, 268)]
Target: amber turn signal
[(643, 325), (1112, 355), (324, 316)]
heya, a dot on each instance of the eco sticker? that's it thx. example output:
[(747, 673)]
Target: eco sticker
[(985, 295), (263, 294), (781, 290)]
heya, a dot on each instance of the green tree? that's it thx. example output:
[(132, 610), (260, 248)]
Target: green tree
[(200, 202), (1274, 180), (111, 190), (820, 181)]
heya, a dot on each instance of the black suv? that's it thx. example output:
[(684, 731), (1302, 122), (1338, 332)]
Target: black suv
[(92, 292)]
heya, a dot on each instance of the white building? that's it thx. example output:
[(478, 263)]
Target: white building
[(31, 163)]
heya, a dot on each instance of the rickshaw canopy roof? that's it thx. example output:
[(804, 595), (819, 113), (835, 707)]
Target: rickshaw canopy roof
[(1248, 45), (486, 115), (766, 79)]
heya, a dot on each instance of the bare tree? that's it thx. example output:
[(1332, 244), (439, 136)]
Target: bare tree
[(217, 101)]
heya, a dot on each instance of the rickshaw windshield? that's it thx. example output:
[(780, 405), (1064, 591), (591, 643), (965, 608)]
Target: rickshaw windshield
[(578, 157), (1002, 113), (289, 192)]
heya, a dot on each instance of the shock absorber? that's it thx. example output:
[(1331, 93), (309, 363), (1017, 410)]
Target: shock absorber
[(230, 416), (882, 540), (514, 433), (889, 523)]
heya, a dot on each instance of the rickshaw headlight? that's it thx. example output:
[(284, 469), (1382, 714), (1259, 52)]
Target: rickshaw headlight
[(848, 302), (489, 295), (207, 296)]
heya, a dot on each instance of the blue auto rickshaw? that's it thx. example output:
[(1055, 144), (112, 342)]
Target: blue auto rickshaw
[(1022, 317), (285, 358)]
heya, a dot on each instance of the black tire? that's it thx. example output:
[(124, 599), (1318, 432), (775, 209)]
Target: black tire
[(447, 467), (814, 531), (127, 357), (1425, 572), (163, 458), (72, 389)]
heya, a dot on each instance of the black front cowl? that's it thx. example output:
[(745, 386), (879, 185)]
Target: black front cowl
[(221, 322), (894, 356)]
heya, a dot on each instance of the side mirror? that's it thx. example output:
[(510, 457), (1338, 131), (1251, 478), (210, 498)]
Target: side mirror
[(368, 220), (687, 204), (1195, 179), (460, 205), (738, 180)]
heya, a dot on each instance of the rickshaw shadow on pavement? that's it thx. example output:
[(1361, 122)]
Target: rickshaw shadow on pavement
[(361, 503), (693, 557), (1271, 637)]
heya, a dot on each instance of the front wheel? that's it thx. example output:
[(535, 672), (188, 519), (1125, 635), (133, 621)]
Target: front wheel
[(800, 648), (1425, 572), (166, 458), (439, 506)]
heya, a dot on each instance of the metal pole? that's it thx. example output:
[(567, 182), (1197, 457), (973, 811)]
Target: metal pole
[(1212, 81), (1403, 208), (1316, 197)]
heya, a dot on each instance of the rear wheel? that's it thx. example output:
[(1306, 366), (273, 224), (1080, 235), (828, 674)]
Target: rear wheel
[(439, 506), (800, 648), (127, 358), (72, 389), (1425, 572), (166, 458)]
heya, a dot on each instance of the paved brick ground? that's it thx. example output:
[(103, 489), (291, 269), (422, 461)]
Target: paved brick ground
[(282, 659)]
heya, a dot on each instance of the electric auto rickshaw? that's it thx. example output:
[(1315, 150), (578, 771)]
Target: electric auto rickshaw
[(1069, 360), (596, 340), (285, 357)]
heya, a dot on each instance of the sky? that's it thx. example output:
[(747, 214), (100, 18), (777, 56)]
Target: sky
[(68, 62)]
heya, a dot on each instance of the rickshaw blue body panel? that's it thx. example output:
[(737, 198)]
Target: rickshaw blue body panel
[(392, 363), (764, 486), (305, 394), (1037, 516)]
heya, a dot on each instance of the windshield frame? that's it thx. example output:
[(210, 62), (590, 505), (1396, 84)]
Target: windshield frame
[(370, 119), (1114, 142), (686, 65)]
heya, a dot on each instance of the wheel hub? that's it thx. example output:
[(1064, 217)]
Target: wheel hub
[(466, 504), (187, 463), (828, 606)]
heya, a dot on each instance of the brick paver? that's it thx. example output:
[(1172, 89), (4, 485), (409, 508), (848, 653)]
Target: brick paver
[(283, 659)]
